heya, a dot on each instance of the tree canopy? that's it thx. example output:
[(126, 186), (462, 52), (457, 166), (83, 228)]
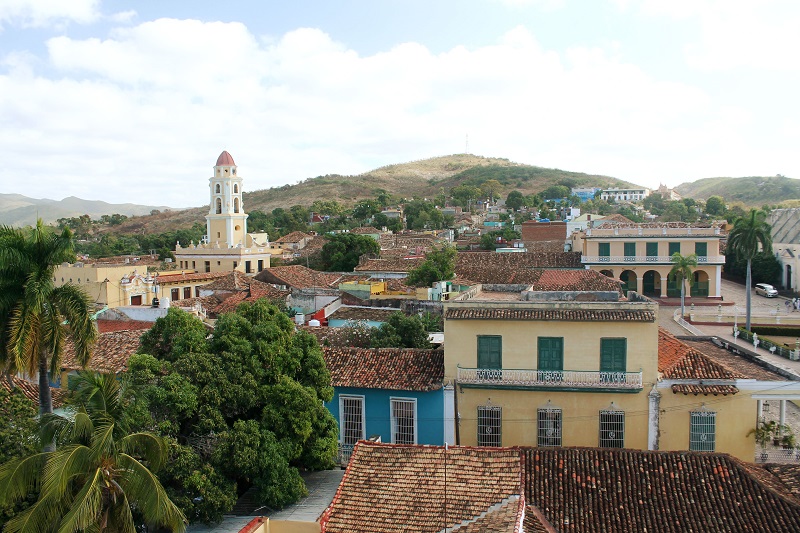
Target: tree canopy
[(439, 265), (401, 331), (750, 233), (342, 251), (248, 400)]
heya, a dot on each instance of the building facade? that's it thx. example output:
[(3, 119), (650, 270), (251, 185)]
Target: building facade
[(635, 194), (550, 368), (227, 245), (640, 255)]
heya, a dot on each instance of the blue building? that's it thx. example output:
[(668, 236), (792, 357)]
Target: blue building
[(396, 394)]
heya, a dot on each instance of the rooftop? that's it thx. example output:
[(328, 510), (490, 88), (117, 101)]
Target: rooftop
[(374, 314), (298, 277), (31, 390), (385, 368), (293, 237), (110, 352), (225, 159), (402, 488), (392, 488)]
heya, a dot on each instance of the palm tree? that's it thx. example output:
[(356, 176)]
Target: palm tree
[(744, 239), (682, 269), (36, 317), (99, 476)]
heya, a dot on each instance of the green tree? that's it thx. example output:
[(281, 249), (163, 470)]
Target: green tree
[(401, 331), (682, 268), (254, 391), (556, 192), (491, 189), (515, 200), (97, 479), (465, 194), (342, 251), (748, 233), (439, 265), (18, 438), (36, 317), (715, 206)]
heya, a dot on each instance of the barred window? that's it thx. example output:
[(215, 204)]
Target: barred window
[(490, 421), (702, 431), (404, 421), (549, 427), (612, 429), (351, 418)]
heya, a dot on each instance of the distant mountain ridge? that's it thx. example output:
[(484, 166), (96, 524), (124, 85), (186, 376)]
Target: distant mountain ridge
[(18, 210), (422, 179), (752, 191)]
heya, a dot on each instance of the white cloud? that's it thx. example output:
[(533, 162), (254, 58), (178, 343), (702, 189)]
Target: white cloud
[(39, 13), (733, 33), (141, 115)]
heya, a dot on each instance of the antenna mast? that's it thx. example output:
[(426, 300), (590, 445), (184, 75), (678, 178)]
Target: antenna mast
[(466, 146)]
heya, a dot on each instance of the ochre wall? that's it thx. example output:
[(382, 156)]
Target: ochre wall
[(580, 415), (581, 343), (736, 416)]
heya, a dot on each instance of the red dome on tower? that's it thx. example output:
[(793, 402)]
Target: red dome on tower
[(225, 159)]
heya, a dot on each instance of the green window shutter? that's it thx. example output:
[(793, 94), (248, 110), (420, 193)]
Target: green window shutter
[(604, 249), (613, 355), (551, 353), (701, 249), (490, 351), (674, 247), (630, 249), (652, 249)]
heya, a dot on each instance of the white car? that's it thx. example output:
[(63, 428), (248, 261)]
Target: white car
[(765, 289)]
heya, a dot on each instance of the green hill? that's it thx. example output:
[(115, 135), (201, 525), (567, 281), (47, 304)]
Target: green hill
[(752, 191), (424, 178)]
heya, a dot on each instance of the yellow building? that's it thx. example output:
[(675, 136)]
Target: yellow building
[(227, 245), (100, 281), (640, 255), (551, 368), (572, 368)]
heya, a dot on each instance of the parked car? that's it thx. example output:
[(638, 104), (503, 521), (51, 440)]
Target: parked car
[(765, 289)]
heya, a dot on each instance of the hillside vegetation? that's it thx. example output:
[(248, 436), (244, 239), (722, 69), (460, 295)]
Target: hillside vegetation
[(752, 191), (424, 178)]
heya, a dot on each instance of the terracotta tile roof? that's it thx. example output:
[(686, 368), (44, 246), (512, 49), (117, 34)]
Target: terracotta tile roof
[(579, 315), (788, 474), (110, 353), (574, 280), (389, 264), (385, 368), (734, 362), (616, 218), (293, 237), (206, 302), (504, 517), (393, 488), (705, 390), (31, 390), (313, 246), (298, 277), (677, 360), (492, 265), (179, 278), (231, 281), (401, 488), (603, 490), (104, 326), (375, 314), (366, 230), (552, 247)]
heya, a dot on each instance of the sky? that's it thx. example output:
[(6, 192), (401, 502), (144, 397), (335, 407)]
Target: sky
[(132, 101)]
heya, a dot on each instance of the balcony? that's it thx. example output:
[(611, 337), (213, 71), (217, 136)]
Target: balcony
[(562, 380), (646, 260)]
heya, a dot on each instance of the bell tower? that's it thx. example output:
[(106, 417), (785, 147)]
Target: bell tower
[(226, 221)]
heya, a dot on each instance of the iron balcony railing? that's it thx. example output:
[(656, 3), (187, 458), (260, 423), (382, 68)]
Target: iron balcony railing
[(639, 259), (573, 379)]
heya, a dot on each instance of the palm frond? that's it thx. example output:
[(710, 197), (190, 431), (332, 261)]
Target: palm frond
[(20, 477), (145, 491), (86, 506), (151, 448)]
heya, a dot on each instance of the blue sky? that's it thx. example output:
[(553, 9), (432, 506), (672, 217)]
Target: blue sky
[(133, 101)]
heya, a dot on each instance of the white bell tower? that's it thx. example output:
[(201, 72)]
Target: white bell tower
[(226, 221)]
